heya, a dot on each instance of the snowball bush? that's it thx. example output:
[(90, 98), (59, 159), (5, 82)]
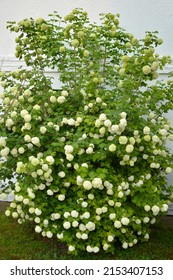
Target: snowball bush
[(90, 158)]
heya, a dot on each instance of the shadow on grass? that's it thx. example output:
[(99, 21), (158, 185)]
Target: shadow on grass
[(19, 242)]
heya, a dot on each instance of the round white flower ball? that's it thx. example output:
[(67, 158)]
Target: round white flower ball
[(68, 149), (71, 248), (7, 213), (102, 130), (91, 196), (50, 160), (87, 185), (79, 181), (110, 238), (27, 118), (147, 208), (61, 174), (123, 140), (105, 246), (67, 225), (147, 138), (74, 214), (129, 148), (45, 222), (69, 157), (38, 212), (35, 141), (84, 236), (36, 107), (27, 138), (146, 130), (84, 204), (86, 215), (155, 210), (15, 215), (131, 178), (123, 123), (49, 234), (4, 152), (155, 138), (102, 117), (23, 113), (98, 123), (123, 115), (71, 122), (110, 192), (104, 209), (147, 236), (118, 204), (115, 128), (37, 220), (125, 245), (90, 226), (84, 165), (153, 221), (53, 99), (89, 150), (138, 221), (112, 216), (148, 176), (125, 221), (107, 123), (66, 214), (99, 211), (117, 224), (64, 93), (2, 142), (89, 249), (120, 194), (111, 202), (49, 192), (164, 208), (96, 249), (31, 210), (61, 197), (97, 183), (146, 69), (75, 224), (168, 170), (43, 129), (57, 216), (45, 167), (146, 220), (112, 148), (21, 150), (98, 100), (26, 201), (61, 99), (38, 229)]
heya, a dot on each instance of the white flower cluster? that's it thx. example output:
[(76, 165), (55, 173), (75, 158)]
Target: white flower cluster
[(83, 165), (60, 99), (69, 152), (106, 124)]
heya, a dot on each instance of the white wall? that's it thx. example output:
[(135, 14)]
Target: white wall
[(137, 16)]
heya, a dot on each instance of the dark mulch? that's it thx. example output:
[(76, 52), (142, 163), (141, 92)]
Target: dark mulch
[(3, 205)]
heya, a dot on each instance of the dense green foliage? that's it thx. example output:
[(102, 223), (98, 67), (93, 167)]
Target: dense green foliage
[(91, 157)]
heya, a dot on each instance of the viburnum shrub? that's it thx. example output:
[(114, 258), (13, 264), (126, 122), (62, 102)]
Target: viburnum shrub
[(90, 158)]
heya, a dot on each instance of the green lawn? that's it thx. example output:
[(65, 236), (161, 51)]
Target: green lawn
[(20, 242)]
